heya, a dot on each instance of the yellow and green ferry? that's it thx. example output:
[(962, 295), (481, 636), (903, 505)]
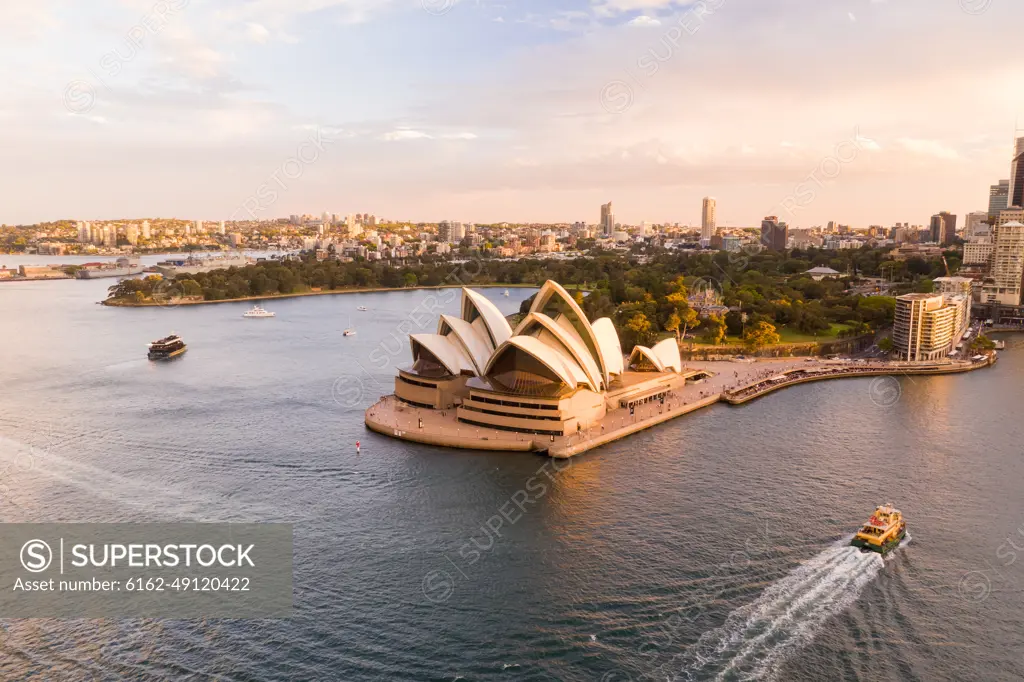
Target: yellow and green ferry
[(167, 348), (883, 532)]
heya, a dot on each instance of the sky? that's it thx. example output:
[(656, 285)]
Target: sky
[(860, 111)]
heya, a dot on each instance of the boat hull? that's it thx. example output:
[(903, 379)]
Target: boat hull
[(883, 548), (167, 356)]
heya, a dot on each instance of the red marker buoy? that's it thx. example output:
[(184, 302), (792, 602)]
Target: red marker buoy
[(357, 447)]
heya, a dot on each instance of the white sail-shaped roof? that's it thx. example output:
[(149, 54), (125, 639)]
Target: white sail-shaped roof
[(667, 352), (550, 332), (476, 305), (473, 342), (575, 316), (643, 352), (565, 368), (608, 343), (447, 351)]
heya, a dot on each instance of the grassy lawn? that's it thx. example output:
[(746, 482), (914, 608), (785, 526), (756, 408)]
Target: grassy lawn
[(794, 336)]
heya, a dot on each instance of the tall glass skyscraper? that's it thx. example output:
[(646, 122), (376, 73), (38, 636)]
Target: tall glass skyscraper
[(1017, 175)]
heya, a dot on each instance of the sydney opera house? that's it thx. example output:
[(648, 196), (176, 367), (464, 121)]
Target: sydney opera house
[(555, 374)]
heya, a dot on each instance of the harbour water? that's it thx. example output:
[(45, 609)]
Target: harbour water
[(711, 547)]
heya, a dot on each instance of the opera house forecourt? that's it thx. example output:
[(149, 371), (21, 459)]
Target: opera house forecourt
[(477, 383)]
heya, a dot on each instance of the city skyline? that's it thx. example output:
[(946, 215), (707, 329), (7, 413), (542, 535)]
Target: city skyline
[(207, 105)]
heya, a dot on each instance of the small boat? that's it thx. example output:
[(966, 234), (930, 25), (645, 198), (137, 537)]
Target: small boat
[(349, 332), (506, 293), (883, 532), (167, 348), (257, 311), (362, 308)]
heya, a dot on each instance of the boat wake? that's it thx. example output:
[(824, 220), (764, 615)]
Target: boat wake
[(757, 637)]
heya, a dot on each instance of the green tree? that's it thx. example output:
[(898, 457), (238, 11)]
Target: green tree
[(714, 329), (191, 288), (690, 320), (759, 335), (640, 327), (410, 279), (886, 345), (673, 323), (982, 343)]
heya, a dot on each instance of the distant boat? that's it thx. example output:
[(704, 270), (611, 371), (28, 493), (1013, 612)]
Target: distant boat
[(257, 311), (362, 308), (349, 332), (506, 293), (167, 348)]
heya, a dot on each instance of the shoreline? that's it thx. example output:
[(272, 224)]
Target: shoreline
[(449, 432), (333, 292)]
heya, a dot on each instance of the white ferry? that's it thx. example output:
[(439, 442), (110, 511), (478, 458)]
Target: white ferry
[(349, 332)]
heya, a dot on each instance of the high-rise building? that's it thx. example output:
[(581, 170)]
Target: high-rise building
[(199, 227), (131, 233), (708, 226), (774, 234), (84, 232), (1007, 262), (110, 236), (975, 225), (444, 231), (951, 287), (223, 228), (147, 232), (943, 228), (607, 220), (979, 251), (1016, 199), (458, 232), (928, 326), (998, 198)]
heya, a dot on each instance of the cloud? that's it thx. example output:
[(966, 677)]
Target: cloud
[(405, 134), (257, 33), (928, 148), (644, 20)]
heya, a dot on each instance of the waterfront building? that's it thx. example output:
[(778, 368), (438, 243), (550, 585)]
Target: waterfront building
[(774, 234), (708, 222), (555, 374), (928, 326), (951, 287), (147, 232), (1007, 262)]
